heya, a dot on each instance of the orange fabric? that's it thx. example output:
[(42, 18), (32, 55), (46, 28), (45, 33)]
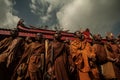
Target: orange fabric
[(84, 49), (84, 76)]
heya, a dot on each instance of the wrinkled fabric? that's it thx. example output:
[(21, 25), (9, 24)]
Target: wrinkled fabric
[(34, 64), (59, 60), (12, 55), (101, 57), (11, 51), (80, 51), (27, 52), (100, 53), (5, 43), (114, 53)]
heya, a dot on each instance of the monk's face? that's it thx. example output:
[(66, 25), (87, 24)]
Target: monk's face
[(111, 38), (57, 36), (14, 33), (39, 37), (78, 34), (98, 37), (28, 39)]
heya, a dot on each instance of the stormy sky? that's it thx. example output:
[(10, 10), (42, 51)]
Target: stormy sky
[(100, 16)]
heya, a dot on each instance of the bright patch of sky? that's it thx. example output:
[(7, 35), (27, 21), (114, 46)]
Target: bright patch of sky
[(100, 16)]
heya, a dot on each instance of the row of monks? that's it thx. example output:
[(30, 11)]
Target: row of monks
[(39, 59)]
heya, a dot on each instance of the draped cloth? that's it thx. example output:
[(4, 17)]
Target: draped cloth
[(23, 61), (3, 46), (31, 57), (101, 56), (12, 54), (80, 51), (111, 68), (5, 43), (58, 54), (100, 52), (35, 61)]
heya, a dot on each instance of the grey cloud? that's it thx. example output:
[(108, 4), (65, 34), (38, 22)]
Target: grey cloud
[(47, 9), (8, 20), (98, 15)]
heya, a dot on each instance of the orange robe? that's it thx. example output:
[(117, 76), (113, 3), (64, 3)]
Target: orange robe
[(116, 54), (12, 54), (58, 60), (101, 57), (27, 52), (35, 64), (80, 51), (5, 43)]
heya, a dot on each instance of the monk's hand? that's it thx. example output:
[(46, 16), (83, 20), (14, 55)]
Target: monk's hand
[(50, 71), (116, 60), (72, 69), (86, 69), (111, 59)]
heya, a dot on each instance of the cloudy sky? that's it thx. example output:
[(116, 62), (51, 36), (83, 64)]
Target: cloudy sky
[(100, 16)]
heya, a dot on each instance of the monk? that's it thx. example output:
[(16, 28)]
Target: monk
[(113, 56), (101, 55), (6, 42), (28, 40), (81, 52), (21, 68), (12, 54), (35, 70), (71, 65), (57, 61)]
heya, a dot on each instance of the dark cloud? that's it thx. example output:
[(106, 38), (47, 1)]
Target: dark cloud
[(99, 15), (7, 18)]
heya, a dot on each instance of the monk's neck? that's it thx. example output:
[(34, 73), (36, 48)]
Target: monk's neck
[(80, 39), (39, 41), (57, 40)]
